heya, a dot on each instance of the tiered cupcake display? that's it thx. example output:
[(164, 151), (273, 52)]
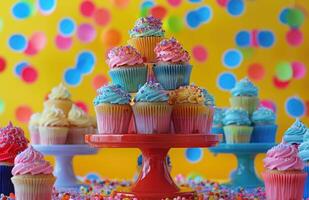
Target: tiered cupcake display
[(167, 111)]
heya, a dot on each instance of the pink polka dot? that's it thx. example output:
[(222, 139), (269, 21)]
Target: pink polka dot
[(30, 50), (199, 53), (87, 8), (158, 11), (222, 3), (63, 43), (23, 113), (269, 104), (102, 16), (174, 3), (86, 33), (299, 70), (280, 84), (98, 81), (256, 71), (294, 37), (29, 74), (38, 41), (2, 64), (82, 105)]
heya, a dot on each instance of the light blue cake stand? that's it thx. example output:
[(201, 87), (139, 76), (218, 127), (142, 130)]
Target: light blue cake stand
[(245, 175), (66, 178)]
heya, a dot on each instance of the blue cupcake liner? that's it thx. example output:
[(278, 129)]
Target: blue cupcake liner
[(306, 191), (264, 134), (129, 78), (6, 185), (172, 76), (218, 130)]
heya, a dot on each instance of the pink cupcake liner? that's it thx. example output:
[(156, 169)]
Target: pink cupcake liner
[(34, 134)]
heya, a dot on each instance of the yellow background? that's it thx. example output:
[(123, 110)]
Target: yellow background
[(217, 36)]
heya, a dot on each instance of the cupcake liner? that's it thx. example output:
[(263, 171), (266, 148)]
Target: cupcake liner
[(33, 187), (129, 78), (53, 135), (6, 185), (218, 130), (34, 134), (150, 73), (284, 185), (152, 117), (76, 135), (250, 104), (191, 118), (264, 134), (237, 134), (113, 118), (210, 118), (145, 46), (172, 76), (64, 105), (306, 188), (132, 128)]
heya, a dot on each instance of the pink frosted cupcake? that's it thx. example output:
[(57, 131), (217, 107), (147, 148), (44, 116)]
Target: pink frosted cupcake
[(34, 128), (284, 177), (152, 111), (32, 176)]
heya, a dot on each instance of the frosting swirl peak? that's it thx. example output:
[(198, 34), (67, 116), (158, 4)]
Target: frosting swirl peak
[(147, 27), (124, 56), (151, 92), (295, 133), (60, 92), (245, 88), (113, 94), (77, 117), (188, 94), (54, 117)]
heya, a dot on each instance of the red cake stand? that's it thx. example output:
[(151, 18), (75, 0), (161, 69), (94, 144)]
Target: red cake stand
[(154, 181)]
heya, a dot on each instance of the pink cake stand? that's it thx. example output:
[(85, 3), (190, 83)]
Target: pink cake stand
[(154, 181)]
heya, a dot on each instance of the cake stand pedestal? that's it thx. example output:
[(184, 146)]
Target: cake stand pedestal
[(245, 174), (154, 181), (66, 178)]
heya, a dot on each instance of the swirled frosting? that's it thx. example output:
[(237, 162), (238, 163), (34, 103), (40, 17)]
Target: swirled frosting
[(236, 116), (283, 157), (31, 162), (187, 94), (53, 117), (113, 94), (151, 92), (209, 99), (295, 133), (35, 119), (306, 136), (124, 56), (12, 142), (244, 88), (263, 115), (218, 116), (171, 51), (60, 92), (77, 117), (147, 27)]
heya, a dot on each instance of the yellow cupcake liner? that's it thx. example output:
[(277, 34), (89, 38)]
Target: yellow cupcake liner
[(145, 46), (237, 134)]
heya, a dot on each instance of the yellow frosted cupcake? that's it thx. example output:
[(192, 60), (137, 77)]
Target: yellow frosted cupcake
[(60, 97), (53, 126), (80, 125)]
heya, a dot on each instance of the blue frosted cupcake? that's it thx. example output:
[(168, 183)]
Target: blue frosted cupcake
[(304, 155), (245, 95), (237, 127), (295, 134), (172, 69), (264, 129), (217, 124)]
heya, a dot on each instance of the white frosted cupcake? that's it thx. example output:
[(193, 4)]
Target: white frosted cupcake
[(34, 128)]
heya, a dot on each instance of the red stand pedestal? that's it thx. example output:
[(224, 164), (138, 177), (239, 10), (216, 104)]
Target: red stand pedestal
[(154, 181)]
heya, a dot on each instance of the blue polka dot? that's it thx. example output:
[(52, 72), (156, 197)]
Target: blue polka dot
[(19, 67), (21, 10), (243, 39), (47, 6), (283, 15), (193, 19), (235, 7), (85, 62), (72, 77), (194, 154), (295, 107), (67, 27), (204, 13), (195, 1), (232, 58), (265, 39), (226, 81), (93, 177), (18, 42), (147, 4)]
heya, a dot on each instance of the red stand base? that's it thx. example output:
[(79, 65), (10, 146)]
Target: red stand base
[(154, 181)]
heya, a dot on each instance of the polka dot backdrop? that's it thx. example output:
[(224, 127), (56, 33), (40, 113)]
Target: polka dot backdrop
[(43, 44)]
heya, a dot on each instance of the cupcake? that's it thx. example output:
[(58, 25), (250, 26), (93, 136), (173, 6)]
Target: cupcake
[(264, 129), (172, 69), (127, 68), (145, 35), (284, 176), (237, 127), (245, 95), (113, 110), (59, 97), (295, 133), (152, 111), (303, 153), (217, 124), (190, 114), (79, 126), (33, 177), (12, 142), (53, 126), (34, 128)]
